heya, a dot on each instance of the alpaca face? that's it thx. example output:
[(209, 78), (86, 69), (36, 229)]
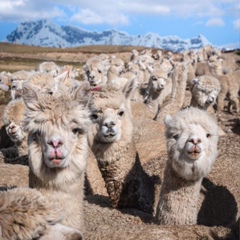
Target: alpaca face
[(110, 113), (57, 128), (117, 65), (205, 91), (108, 120), (16, 88), (205, 98), (157, 84), (57, 141), (192, 139), (95, 73), (15, 131)]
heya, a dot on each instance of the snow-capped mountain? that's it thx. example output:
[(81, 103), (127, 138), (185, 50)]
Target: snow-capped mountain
[(47, 34)]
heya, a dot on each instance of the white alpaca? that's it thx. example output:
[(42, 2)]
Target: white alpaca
[(49, 67), (205, 90), (192, 138), (57, 142), (111, 140)]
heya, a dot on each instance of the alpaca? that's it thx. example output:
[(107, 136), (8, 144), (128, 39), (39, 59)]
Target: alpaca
[(230, 87), (17, 80), (57, 144), (13, 116), (115, 73), (22, 209), (179, 76), (95, 71), (158, 90), (44, 82), (111, 140), (49, 67), (192, 138), (205, 90)]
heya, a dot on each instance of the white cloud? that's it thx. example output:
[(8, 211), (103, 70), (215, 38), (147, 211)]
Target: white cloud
[(236, 24), (118, 12), (215, 22), (88, 17)]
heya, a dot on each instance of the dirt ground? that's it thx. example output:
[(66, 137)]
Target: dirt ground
[(218, 205)]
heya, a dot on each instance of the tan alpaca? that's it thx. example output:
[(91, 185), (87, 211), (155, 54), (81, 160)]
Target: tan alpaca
[(57, 142), (95, 71), (233, 90), (13, 116), (192, 138), (179, 77), (111, 140), (26, 214), (17, 80), (158, 90)]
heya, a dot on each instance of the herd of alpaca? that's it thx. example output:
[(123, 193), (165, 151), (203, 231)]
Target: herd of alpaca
[(56, 121)]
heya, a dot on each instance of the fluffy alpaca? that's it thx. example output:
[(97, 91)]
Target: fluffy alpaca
[(17, 80), (22, 209), (158, 90), (95, 71), (13, 116), (111, 140), (57, 143), (192, 138), (179, 77), (205, 90), (233, 89), (49, 67)]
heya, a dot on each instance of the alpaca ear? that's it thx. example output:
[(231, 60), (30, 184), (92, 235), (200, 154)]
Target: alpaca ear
[(29, 95), (195, 81), (167, 120), (129, 87), (82, 93)]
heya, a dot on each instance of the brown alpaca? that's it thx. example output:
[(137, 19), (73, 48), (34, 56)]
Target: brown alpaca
[(111, 140)]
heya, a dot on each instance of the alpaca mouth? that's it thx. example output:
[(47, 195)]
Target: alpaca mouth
[(56, 161), (195, 153), (110, 135)]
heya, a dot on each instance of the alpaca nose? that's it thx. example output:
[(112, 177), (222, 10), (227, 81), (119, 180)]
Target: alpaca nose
[(195, 141), (12, 126), (109, 123), (55, 143), (210, 100)]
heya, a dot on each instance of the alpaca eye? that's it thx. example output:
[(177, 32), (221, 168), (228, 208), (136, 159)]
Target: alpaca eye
[(75, 131), (99, 71), (208, 135), (154, 78), (176, 136), (121, 113), (36, 134), (94, 116)]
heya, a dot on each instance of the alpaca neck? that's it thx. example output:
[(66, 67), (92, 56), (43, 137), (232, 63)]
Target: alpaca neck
[(22, 147), (178, 199), (152, 102), (125, 180), (68, 197), (111, 75)]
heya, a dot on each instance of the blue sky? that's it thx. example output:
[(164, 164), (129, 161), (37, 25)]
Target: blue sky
[(217, 20)]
